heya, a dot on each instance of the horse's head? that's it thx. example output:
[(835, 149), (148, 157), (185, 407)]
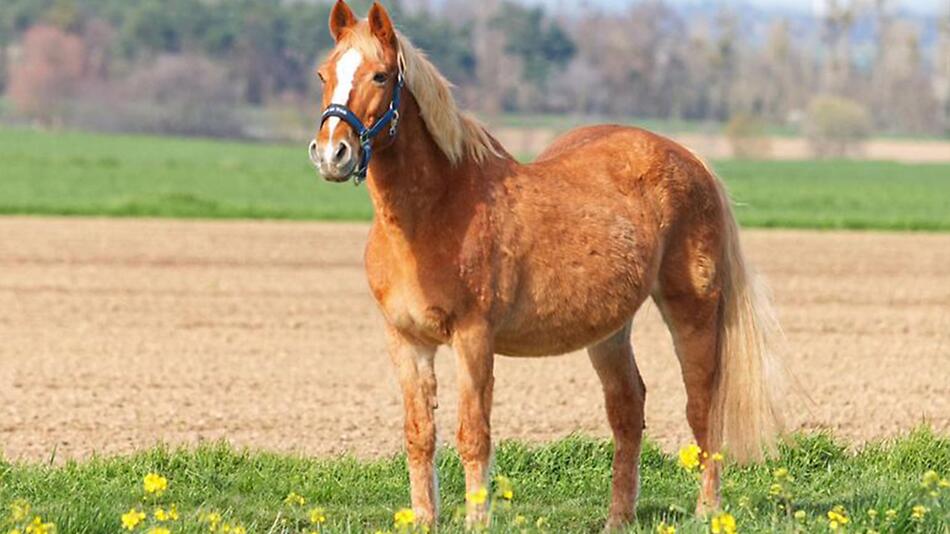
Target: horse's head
[(362, 82)]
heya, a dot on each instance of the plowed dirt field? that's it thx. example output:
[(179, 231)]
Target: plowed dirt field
[(117, 334)]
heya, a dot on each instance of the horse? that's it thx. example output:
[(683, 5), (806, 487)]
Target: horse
[(470, 248)]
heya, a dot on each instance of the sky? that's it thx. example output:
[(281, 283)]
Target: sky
[(917, 6)]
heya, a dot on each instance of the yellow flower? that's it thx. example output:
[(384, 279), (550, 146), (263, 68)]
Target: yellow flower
[(404, 518), (173, 512), (782, 474), (837, 517), (504, 488), (800, 515), (520, 520), (918, 512), (213, 519), (776, 490), (663, 528), (294, 499), (132, 518), (478, 496), (159, 530), (723, 523), (155, 484), (718, 457), (15, 531), (944, 483), (930, 479), (19, 510), (689, 457), (317, 516), (37, 526), (891, 514)]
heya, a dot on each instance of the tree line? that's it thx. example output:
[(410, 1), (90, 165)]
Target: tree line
[(191, 66)]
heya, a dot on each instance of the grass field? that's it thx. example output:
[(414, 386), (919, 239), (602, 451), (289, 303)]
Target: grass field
[(87, 174), (566, 483)]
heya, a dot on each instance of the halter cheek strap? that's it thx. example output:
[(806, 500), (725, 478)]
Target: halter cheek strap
[(367, 135)]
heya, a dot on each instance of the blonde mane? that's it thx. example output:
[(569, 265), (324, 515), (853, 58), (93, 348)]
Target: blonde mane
[(457, 133)]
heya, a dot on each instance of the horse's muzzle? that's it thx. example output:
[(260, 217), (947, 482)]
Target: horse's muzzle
[(335, 165)]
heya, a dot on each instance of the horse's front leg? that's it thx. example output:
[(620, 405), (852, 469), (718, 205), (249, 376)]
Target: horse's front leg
[(414, 366), (474, 350)]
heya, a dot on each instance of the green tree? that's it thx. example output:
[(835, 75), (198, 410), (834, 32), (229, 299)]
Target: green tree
[(539, 43), (450, 48)]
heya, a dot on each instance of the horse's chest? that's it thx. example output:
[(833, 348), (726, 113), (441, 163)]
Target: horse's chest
[(411, 312), (416, 305)]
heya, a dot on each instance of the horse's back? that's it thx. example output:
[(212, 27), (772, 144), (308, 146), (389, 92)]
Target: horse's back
[(638, 163), (610, 137)]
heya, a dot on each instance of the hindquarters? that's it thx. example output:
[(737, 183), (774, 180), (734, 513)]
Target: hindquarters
[(723, 328)]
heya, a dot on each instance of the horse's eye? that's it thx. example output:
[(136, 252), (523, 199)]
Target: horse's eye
[(322, 78), (380, 77)]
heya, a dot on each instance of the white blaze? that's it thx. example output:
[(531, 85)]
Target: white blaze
[(346, 68)]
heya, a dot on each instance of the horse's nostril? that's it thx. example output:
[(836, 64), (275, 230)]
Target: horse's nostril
[(313, 149), (341, 153)]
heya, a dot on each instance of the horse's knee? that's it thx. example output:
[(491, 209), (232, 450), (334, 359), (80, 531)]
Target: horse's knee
[(474, 442), (420, 440)]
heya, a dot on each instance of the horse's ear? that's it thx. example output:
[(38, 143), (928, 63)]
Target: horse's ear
[(341, 18), (381, 25)]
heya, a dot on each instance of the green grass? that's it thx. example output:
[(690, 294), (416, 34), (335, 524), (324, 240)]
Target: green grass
[(88, 174), (840, 194), (566, 482)]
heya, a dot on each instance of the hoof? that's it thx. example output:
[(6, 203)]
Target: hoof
[(476, 518), (425, 518), (618, 523), (704, 507)]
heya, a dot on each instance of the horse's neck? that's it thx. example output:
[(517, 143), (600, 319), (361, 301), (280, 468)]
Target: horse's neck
[(412, 182)]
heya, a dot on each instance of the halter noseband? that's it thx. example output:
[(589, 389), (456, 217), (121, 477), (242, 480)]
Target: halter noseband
[(391, 118)]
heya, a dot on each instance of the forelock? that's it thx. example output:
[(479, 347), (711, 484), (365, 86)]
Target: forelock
[(361, 38)]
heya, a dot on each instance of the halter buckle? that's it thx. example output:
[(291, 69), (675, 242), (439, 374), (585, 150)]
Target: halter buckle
[(394, 124)]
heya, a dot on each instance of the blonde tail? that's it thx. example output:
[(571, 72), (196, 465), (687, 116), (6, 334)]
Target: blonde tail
[(746, 414)]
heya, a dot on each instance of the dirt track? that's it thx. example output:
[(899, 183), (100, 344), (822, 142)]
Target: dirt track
[(117, 334)]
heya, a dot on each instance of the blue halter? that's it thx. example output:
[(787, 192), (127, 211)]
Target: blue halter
[(391, 118)]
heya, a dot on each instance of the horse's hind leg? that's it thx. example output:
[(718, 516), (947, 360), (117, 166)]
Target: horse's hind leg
[(624, 394), (689, 299)]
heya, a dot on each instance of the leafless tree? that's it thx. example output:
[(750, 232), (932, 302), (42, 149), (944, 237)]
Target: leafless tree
[(47, 74), (838, 19)]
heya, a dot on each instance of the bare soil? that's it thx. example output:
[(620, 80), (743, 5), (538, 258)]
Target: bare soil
[(117, 334)]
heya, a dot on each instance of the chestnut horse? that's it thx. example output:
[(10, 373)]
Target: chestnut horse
[(472, 249)]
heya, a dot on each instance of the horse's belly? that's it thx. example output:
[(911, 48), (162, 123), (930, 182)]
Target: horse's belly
[(579, 291), (547, 337)]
